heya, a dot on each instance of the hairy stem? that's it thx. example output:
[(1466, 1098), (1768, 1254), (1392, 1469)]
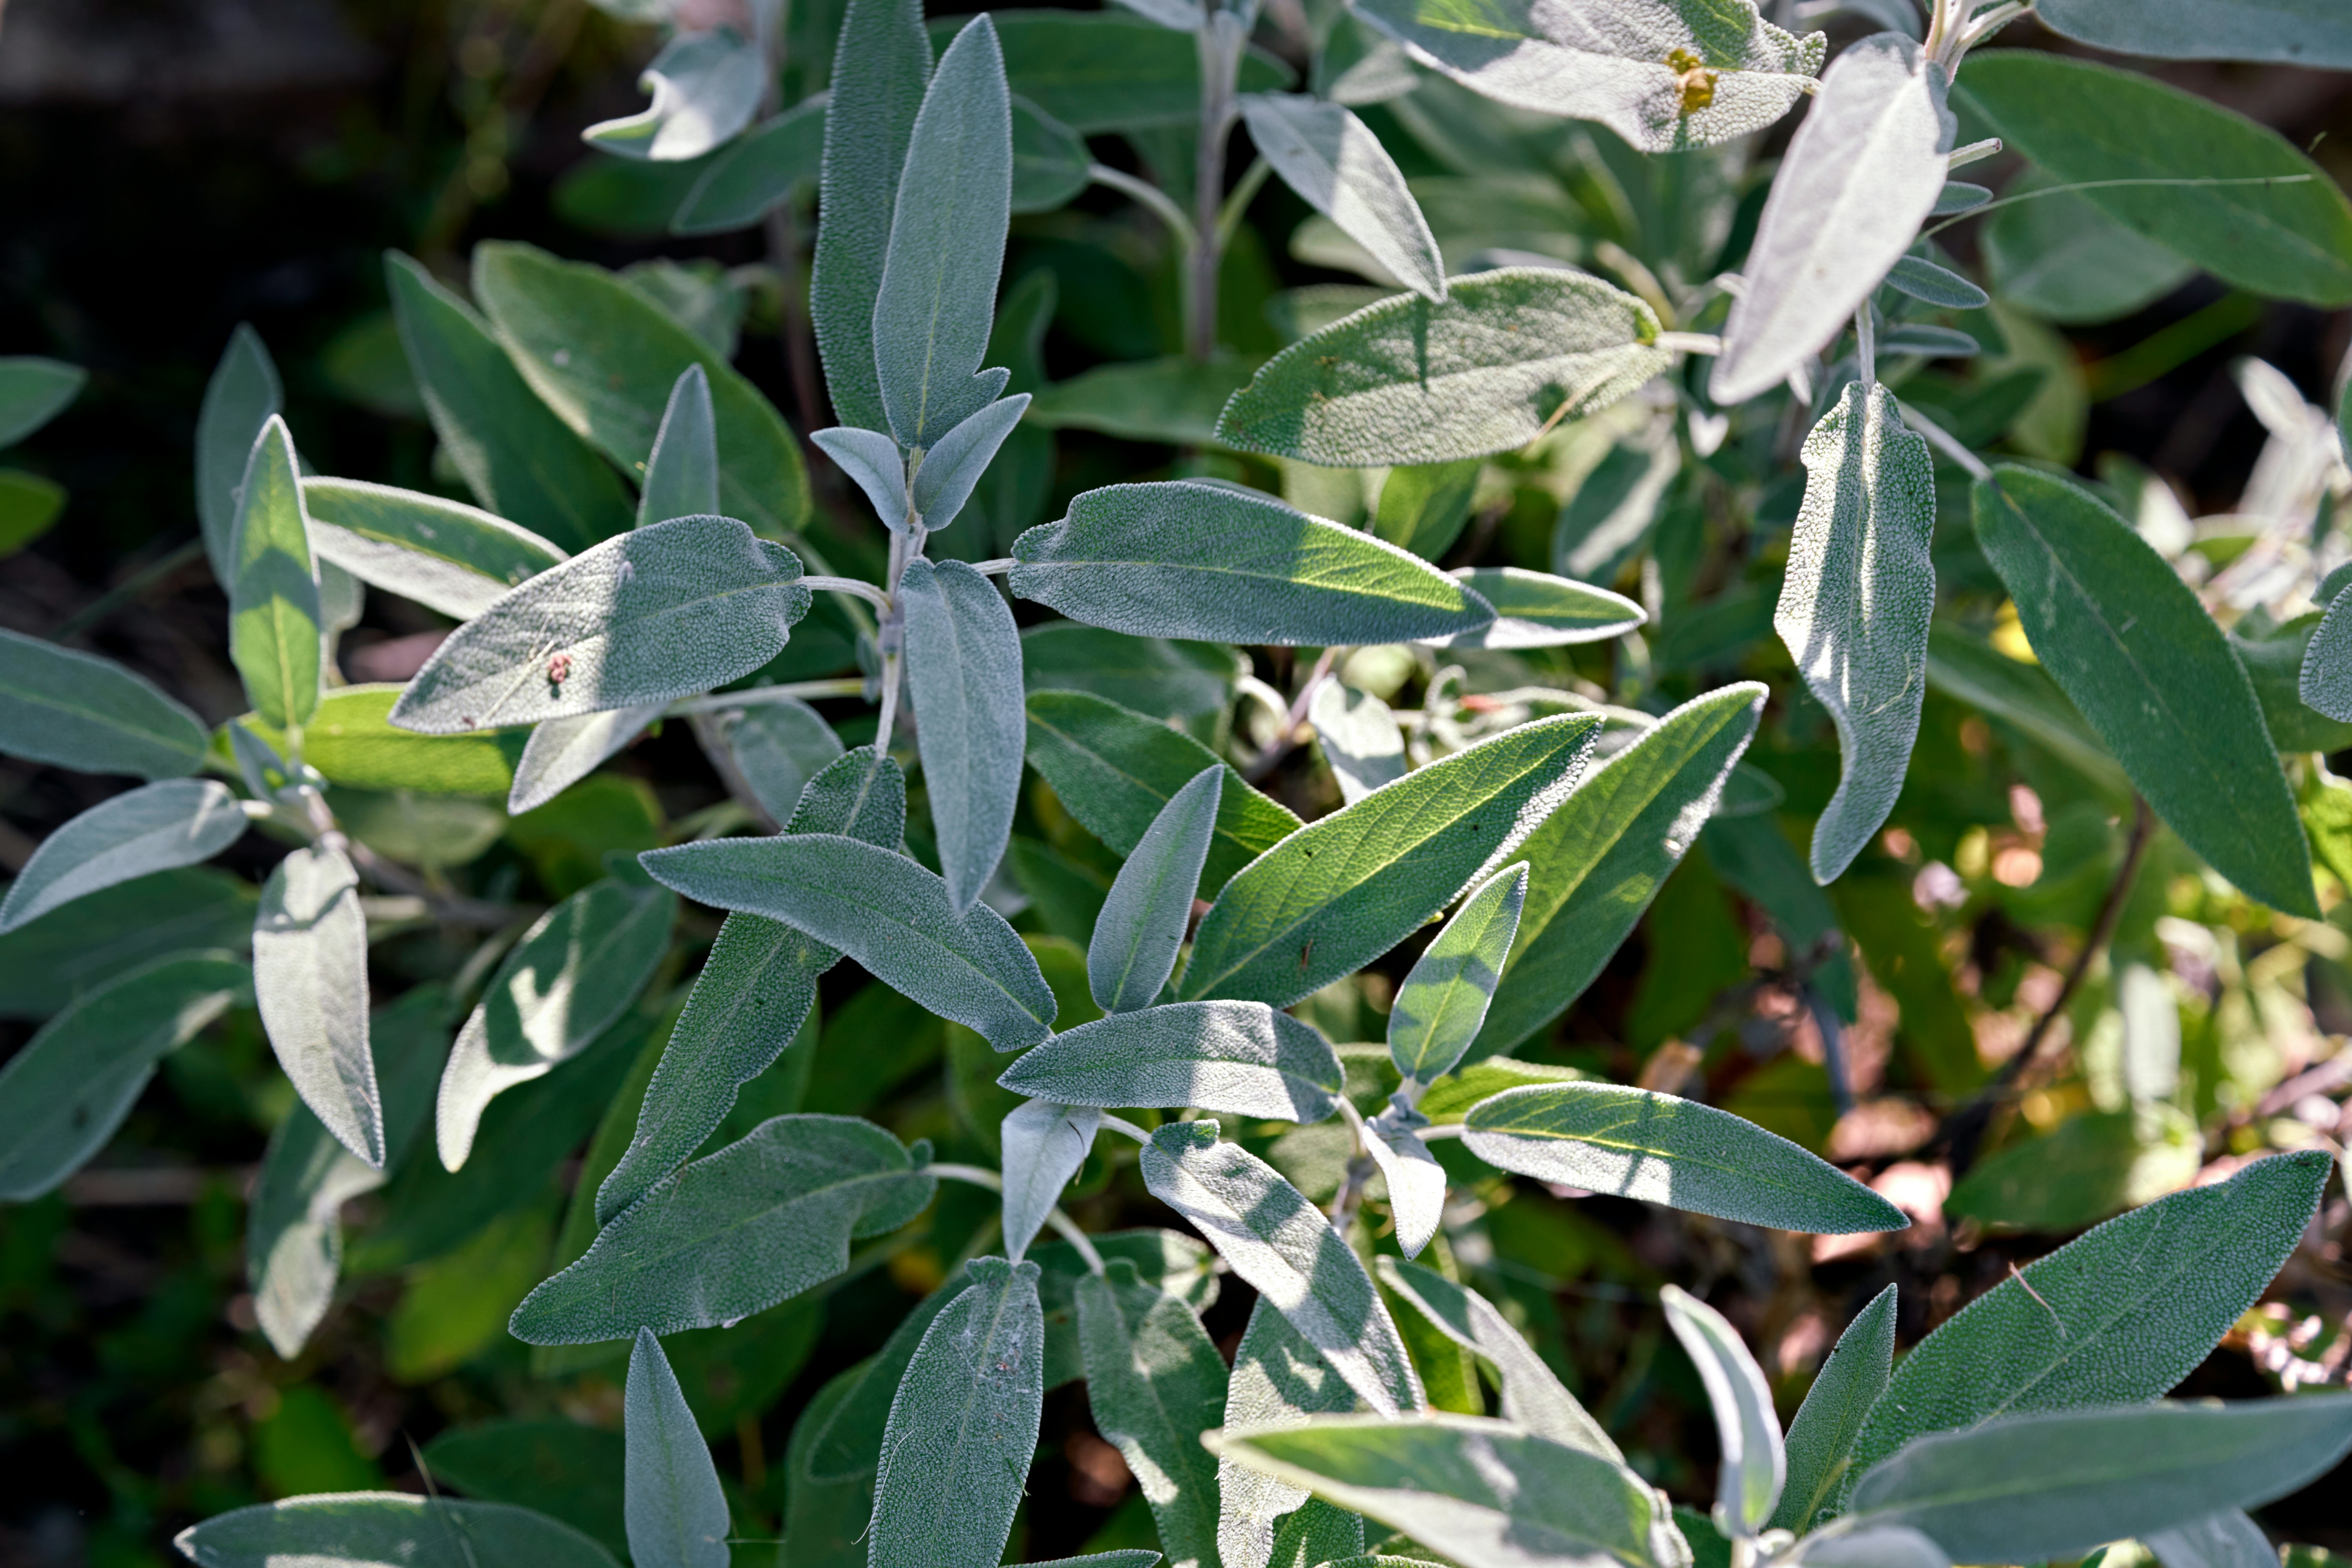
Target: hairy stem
[(1063, 1224), (1149, 195), (1219, 60)]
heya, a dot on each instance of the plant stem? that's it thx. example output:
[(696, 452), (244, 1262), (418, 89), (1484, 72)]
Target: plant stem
[(1359, 1169), (1219, 60), (1063, 1224), (130, 588), (1124, 1128), (1944, 441), (1866, 339), (1150, 195), (854, 586), (784, 692)]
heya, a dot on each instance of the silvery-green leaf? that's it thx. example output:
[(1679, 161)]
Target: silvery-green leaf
[(1174, 400), (1182, 16), (658, 613), (778, 747), (1340, 168), (1863, 170), (874, 463), (732, 1234), (178, 822), (757, 173), (1958, 195), (1923, 279), (1044, 1144), (1277, 1380), (1485, 1493), (310, 976), (2021, 696), (1316, 1532), (1748, 1432), (563, 752), (937, 298), (1416, 1182), (1154, 1383), (1855, 606), (1636, 1143), (1931, 342), (1666, 75), (2030, 1489), (63, 1095), (574, 972), (1443, 1002), (2326, 680), (1109, 70), (273, 590), (2116, 1316), (1535, 609), (952, 468), (676, 1511), (1342, 890), (681, 477), (1182, 559), (1142, 923), (1821, 1438), (242, 395), (2063, 257), (1406, 380), (886, 912), (443, 554), (78, 710), (1425, 507), (1285, 1248), (1533, 1396), (706, 88), (2278, 32), (963, 672), (1598, 860), (963, 1425), (1239, 1057), (34, 391), (2224, 1539), (1050, 160), (1871, 1546), (1359, 738), (375, 1529)]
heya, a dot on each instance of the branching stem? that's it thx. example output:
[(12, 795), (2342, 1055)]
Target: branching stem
[(1063, 1224)]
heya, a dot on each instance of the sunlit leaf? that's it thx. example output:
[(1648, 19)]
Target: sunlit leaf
[(310, 976), (1143, 921), (964, 671), (1239, 1057), (1533, 1396)]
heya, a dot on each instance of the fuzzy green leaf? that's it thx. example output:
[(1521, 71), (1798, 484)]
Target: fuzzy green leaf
[(1443, 1002), (241, 397), (1239, 1057), (2277, 32), (1425, 507), (443, 554), (964, 671), (677, 1513), (755, 173), (1154, 1383), (310, 976), (1143, 921), (1278, 1379), (778, 747), (1535, 609), (1045, 1144), (1533, 1396), (705, 87), (273, 590), (375, 1529), (682, 470), (154, 827), (34, 391), (77, 711), (1821, 1439), (1340, 168), (1753, 1464)]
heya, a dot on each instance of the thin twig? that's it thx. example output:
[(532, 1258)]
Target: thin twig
[(130, 588), (1944, 441), (1124, 1128), (782, 691), (996, 567), (1145, 193), (853, 586), (1064, 1225)]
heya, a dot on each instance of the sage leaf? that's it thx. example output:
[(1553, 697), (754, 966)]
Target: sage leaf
[(1050, 160), (2224, 1539), (1929, 342), (1871, 1546), (1535, 609), (72, 950), (2325, 680), (874, 462), (778, 747), (2063, 258), (1110, 71), (937, 298), (1143, 921), (1342, 890), (682, 470), (1443, 1002), (273, 590), (1359, 738), (1533, 1396), (1278, 1379), (63, 1095), (1045, 1144), (34, 391), (563, 752), (1856, 604), (1655, 1147), (2034, 1487), (1599, 859), (882, 65), (1508, 354), (1485, 1493), (1753, 1464), (518, 458), (569, 979), (705, 86), (1182, 559), (1174, 400), (1283, 1246), (1449, 1100), (963, 670), (2268, 220), (883, 909), (952, 468), (2134, 648), (1340, 168), (1425, 507), (1938, 286), (443, 554), (2025, 698), (2278, 32), (350, 740), (677, 1513), (1127, 1557), (2116, 1316), (2275, 658), (1861, 174), (1154, 1383), (78, 710), (154, 827), (1116, 771), (367, 1529), (1243, 1058), (242, 396), (1821, 1439), (1666, 75), (963, 1425), (310, 976), (755, 173), (1415, 1181), (665, 610), (764, 1218)]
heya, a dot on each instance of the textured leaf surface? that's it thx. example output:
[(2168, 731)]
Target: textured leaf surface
[(78, 710), (2278, 32), (73, 950), (755, 173), (1340, 168), (1045, 1144), (963, 1426), (1278, 1379), (1175, 399), (884, 910), (778, 747), (1239, 1057), (1751, 1462), (1821, 1437), (1423, 508), (273, 590), (2325, 681), (681, 474), (563, 752), (1154, 1383), (1344, 890), (963, 670), (351, 740), (2063, 258), (1855, 606), (1443, 1002), (310, 975), (873, 462), (1415, 1180), (2224, 1539), (241, 396), (1533, 1396), (1605, 1138), (661, 612), (1535, 609), (2133, 647), (677, 1513), (1181, 559), (444, 554), (952, 468), (386, 1530), (1408, 380), (1143, 921), (1285, 1248), (154, 827), (1359, 737)]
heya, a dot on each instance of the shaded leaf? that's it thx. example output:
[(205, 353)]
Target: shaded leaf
[(72, 950), (1175, 400), (756, 172), (1359, 738), (2224, 1539), (1154, 1383), (2283, 32), (2063, 258), (370, 1529), (1043, 1145), (1746, 1430), (273, 590), (1050, 160), (964, 671), (1821, 1439), (1278, 1379), (1239, 1057), (677, 1513), (241, 397), (34, 391), (443, 554), (1340, 168), (2021, 696), (1425, 507), (1443, 1002), (778, 747), (1533, 1396), (681, 473), (1142, 922), (78, 710), (154, 827)]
